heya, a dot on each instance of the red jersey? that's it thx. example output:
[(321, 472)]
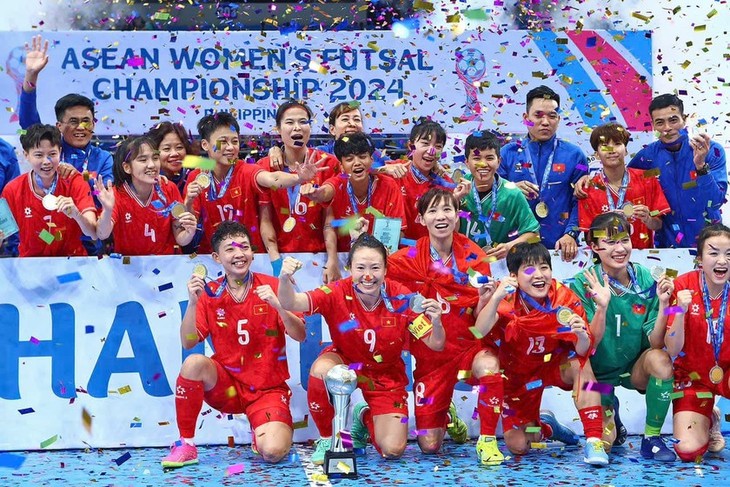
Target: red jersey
[(532, 339), (386, 198), (141, 228), (240, 202), (247, 335), (412, 189), (641, 190), (373, 337), (698, 356), (413, 266), (32, 218), (308, 233)]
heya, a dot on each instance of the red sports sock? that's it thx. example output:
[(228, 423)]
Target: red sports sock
[(188, 403), (319, 406), (489, 403), (592, 421)]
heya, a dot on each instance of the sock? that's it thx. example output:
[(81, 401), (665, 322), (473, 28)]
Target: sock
[(658, 399), (188, 403), (691, 456), (319, 406), (592, 421), (546, 431), (489, 403)]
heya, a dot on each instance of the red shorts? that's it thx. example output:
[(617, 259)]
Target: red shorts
[(260, 406), (434, 390), (384, 394), (522, 406), (689, 400)]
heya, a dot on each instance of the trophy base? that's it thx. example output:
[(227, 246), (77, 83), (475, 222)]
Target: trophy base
[(340, 464)]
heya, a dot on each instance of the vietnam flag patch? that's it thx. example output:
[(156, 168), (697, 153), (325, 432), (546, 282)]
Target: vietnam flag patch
[(261, 309)]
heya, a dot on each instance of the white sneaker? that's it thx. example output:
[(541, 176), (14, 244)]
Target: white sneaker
[(717, 442)]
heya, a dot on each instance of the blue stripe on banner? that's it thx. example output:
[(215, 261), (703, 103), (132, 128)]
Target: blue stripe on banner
[(10, 460), (638, 44), (583, 91)]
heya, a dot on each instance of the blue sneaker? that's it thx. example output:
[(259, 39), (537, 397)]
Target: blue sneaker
[(560, 431), (621, 432), (653, 448), (359, 432), (594, 453)]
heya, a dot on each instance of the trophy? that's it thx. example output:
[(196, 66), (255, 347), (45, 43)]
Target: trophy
[(340, 461), (471, 66)]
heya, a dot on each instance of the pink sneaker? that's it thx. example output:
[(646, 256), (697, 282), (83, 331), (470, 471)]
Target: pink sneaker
[(181, 454)]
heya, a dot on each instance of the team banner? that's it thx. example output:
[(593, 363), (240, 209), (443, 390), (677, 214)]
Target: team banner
[(476, 81), (90, 352)]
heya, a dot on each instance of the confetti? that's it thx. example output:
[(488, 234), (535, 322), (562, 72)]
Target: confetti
[(234, 469), (11, 460), (123, 458), (26, 411), (70, 277), (86, 418), (49, 441)]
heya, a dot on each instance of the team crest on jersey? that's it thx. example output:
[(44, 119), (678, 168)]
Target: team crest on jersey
[(261, 309), (387, 321), (236, 192), (695, 309), (220, 313), (128, 217)]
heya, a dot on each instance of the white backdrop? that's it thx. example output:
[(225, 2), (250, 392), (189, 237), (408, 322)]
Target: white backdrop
[(115, 342)]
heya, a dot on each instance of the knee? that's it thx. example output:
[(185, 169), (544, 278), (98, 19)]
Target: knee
[(487, 364), (430, 444), (320, 368), (193, 366), (661, 363), (274, 453), (392, 449)]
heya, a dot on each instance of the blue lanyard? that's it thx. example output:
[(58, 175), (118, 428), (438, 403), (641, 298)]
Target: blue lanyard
[(74, 156), (459, 277), (621, 191), (293, 196), (434, 178), (388, 300), (353, 200), (548, 166), (487, 220), (647, 293), (717, 333), (222, 287), (214, 194), (51, 188), (532, 302)]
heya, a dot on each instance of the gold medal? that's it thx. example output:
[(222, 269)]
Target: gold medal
[(564, 315), (178, 210), (200, 271), (716, 374), (457, 176), (289, 224), (203, 180), (50, 202), (628, 210), (541, 210)]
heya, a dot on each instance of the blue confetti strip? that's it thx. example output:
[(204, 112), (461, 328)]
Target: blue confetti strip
[(70, 277), (165, 287), (123, 458)]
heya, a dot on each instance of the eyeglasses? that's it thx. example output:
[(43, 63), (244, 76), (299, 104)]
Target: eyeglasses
[(83, 123)]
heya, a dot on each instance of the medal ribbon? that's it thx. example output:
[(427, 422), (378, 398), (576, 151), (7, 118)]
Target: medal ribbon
[(51, 188), (459, 277), (621, 190), (647, 293), (478, 203), (717, 333), (532, 302), (548, 166), (74, 157), (214, 194), (353, 199)]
